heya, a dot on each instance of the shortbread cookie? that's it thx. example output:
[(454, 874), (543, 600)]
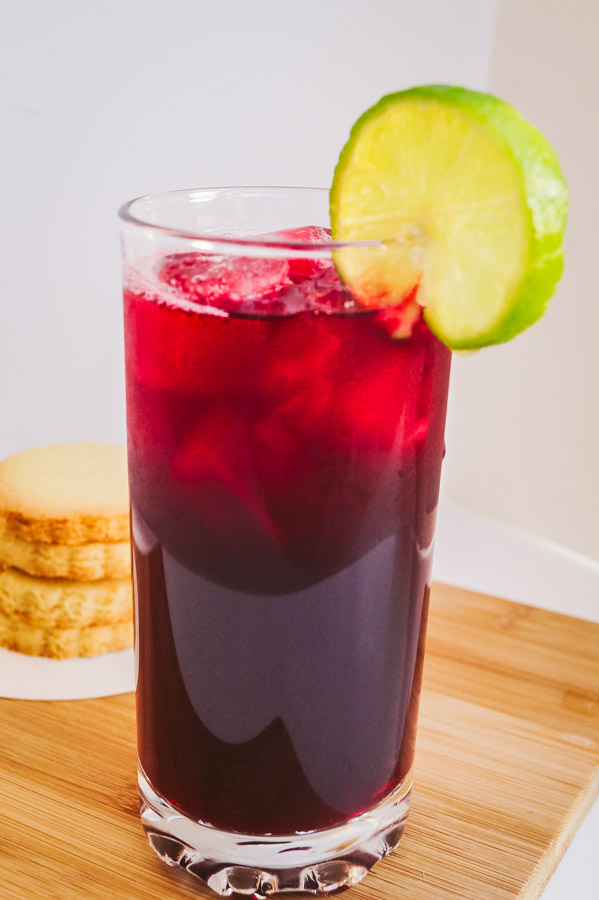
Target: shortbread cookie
[(63, 643), (82, 562), (59, 603), (66, 494)]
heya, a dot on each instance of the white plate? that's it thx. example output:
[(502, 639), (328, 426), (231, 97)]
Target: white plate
[(35, 678)]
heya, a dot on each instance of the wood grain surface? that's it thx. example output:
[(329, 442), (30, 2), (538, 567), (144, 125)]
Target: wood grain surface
[(507, 765)]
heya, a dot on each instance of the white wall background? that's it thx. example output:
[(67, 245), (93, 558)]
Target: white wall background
[(523, 433), (104, 101)]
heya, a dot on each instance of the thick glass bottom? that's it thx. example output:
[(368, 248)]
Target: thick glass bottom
[(320, 862)]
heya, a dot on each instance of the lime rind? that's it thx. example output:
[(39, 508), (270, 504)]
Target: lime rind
[(465, 315)]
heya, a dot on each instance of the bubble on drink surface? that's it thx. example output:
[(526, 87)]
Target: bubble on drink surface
[(140, 281)]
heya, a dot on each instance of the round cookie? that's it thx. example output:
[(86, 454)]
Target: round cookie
[(66, 494), (59, 603), (82, 562), (64, 643)]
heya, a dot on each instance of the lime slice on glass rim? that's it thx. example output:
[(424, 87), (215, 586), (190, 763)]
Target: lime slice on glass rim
[(470, 203)]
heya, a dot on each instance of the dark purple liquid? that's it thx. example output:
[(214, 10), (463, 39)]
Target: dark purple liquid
[(284, 474)]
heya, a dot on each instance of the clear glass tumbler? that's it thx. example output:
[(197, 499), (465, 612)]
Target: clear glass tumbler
[(285, 450)]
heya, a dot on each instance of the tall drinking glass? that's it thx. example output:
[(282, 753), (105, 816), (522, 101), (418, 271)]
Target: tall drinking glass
[(285, 451)]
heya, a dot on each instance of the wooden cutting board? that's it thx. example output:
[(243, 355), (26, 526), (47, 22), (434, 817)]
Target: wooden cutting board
[(507, 766)]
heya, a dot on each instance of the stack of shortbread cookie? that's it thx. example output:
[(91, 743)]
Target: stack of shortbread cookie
[(65, 582)]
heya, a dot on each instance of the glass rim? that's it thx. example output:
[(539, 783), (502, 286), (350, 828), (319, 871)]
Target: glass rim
[(127, 216)]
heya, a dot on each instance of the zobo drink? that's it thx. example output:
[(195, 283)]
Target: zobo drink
[(285, 449), (285, 454)]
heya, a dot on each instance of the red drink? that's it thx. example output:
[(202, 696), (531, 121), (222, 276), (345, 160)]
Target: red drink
[(287, 469), (284, 456)]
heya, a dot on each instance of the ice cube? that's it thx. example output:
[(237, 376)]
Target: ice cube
[(224, 281), (308, 234)]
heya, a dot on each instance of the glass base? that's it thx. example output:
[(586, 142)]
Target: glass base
[(320, 862)]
